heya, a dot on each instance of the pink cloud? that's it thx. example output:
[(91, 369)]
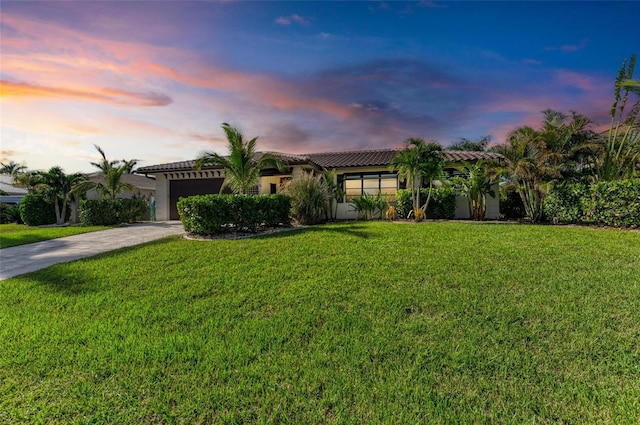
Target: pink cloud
[(292, 19), (568, 48)]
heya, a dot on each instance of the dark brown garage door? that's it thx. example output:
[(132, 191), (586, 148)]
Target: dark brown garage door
[(183, 188)]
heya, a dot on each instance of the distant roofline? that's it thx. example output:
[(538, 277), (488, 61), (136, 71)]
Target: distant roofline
[(308, 158)]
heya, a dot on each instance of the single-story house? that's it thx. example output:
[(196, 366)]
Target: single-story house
[(145, 187), (9, 192), (358, 172)]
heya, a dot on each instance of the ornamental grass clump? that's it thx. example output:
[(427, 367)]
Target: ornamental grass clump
[(310, 198)]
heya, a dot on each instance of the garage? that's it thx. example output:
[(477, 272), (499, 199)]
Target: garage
[(184, 188)]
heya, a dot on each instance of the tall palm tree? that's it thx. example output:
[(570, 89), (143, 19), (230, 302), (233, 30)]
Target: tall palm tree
[(241, 168), (111, 172), (620, 153), (57, 187), (417, 162)]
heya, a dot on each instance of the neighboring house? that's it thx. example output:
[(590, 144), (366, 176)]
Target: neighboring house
[(14, 194), (145, 186), (357, 172)]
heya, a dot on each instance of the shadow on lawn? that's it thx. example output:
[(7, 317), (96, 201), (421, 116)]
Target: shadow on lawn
[(355, 229)]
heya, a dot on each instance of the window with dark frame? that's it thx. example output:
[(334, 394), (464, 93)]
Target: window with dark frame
[(356, 185)]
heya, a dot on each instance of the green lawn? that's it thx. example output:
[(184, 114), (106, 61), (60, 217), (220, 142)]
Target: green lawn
[(20, 234), (356, 323)]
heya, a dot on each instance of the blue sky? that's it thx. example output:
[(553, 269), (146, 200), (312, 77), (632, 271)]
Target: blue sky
[(154, 80)]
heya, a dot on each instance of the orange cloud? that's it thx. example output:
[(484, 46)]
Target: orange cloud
[(121, 97)]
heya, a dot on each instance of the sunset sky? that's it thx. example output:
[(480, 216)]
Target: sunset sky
[(154, 80)]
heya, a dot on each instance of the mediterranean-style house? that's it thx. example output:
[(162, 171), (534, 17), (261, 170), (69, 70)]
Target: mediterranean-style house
[(357, 172)]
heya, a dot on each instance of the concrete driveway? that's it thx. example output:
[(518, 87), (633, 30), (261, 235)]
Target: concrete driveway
[(22, 259)]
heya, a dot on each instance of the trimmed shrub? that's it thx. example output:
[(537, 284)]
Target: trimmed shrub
[(9, 213), (211, 214), (564, 204), (107, 212), (441, 206), (35, 211), (615, 203)]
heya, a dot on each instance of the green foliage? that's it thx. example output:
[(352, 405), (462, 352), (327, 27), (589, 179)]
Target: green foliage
[(620, 152), (242, 167), (441, 206), (369, 206), (107, 212), (418, 162), (475, 184), (111, 174), (511, 206), (615, 203), (565, 203), (9, 213), (310, 198), (212, 214), (335, 190), (57, 187), (36, 211)]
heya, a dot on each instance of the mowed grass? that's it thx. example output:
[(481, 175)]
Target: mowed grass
[(347, 323), (20, 234)]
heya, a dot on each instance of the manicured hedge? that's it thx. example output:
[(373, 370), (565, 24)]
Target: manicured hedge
[(107, 212), (211, 214), (35, 211), (615, 203), (441, 206)]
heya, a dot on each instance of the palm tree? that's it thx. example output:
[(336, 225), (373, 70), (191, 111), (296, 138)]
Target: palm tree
[(57, 187), (415, 163), (528, 168), (111, 173), (241, 168), (620, 152), (476, 185), (12, 169)]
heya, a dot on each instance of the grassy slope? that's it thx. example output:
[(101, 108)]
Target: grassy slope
[(361, 323), (20, 234)]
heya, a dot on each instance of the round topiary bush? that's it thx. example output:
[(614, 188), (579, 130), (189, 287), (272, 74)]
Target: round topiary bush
[(35, 211)]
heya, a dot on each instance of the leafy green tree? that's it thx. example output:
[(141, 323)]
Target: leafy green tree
[(620, 151), (476, 183), (416, 163), (57, 187), (242, 167)]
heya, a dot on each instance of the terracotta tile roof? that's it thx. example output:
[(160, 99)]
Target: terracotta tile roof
[(367, 158), (370, 158), (456, 156)]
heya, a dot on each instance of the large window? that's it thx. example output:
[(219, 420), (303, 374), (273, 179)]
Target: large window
[(355, 185)]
